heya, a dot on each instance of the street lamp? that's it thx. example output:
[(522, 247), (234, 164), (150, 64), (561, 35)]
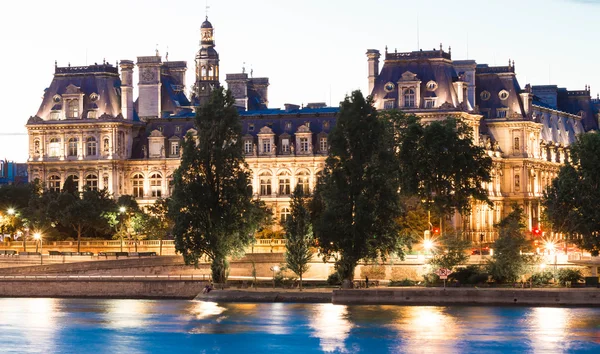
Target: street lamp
[(274, 269), (11, 211), (427, 245), (122, 210), (37, 236)]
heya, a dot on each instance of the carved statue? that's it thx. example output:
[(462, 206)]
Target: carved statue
[(488, 143), (162, 151), (254, 150), (292, 148), (496, 146), (145, 151)]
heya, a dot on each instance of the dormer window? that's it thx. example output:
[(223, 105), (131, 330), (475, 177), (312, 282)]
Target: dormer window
[(485, 95), (285, 145), (304, 147), (266, 146), (73, 109), (250, 127), (430, 103), (389, 104), (432, 86), (501, 112), (94, 97), (503, 95), (175, 148), (409, 97), (247, 146)]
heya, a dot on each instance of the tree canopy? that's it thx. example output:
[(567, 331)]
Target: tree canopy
[(298, 234), (358, 202), (571, 201), (212, 206)]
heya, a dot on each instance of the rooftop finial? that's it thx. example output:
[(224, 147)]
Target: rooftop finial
[(513, 63), (157, 49), (103, 61), (386, 49), (243, 67), (55, 63), (167, 54), (207, 7), (449, 49)]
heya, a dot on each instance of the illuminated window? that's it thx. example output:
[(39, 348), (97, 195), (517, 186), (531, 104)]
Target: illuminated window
[(323, 144), (138, 185), (266, 145), (501, 113), (285, 145), (54, 147), (73, 109), (265, 184), (36, 147), (284, 184), (302, 179), (92, 149), (54, 183), (389, 104), (409, 97), (284, 214), (156, 185), (304, 145), (175, 148), (91, 182), (72, 150), (248, 146)]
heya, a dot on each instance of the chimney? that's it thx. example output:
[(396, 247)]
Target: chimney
[(127, 89), (373, 60)]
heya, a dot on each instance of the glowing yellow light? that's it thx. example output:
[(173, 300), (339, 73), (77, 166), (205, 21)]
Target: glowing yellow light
[(550, 245), (122, 209), (37, 236), (428, 244), (11, 211), (543, 265)]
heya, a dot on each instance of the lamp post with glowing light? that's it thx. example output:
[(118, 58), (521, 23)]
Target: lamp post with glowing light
[(427, 245), (122, 210), (38, 237), (274, 269)]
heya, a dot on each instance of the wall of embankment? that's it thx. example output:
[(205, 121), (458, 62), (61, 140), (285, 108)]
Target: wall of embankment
[(121, 289), (471, 296)]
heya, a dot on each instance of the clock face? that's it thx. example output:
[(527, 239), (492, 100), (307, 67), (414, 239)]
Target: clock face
[(389, 87), (147, 75)]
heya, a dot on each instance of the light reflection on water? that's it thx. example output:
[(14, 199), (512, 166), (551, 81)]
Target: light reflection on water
[(138, 326)]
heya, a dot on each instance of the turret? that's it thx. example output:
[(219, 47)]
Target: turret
[(207, 64)]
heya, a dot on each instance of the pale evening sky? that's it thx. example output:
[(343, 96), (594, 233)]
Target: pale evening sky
[(312, 50)]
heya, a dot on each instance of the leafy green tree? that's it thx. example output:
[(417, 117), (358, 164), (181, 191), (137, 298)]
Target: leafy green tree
[(510, 260), (358, 202), (451, 250), (439, 163), (211, 205), (85, 213), (571, 201), (298, 234), (156, 223)]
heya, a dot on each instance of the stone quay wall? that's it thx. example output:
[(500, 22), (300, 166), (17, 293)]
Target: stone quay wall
[(443, 297), (102, 288)]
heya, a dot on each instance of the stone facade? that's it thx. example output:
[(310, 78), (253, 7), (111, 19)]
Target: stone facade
[(89, 126)]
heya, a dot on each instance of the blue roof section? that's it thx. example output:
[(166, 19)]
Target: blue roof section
[(268, 112)]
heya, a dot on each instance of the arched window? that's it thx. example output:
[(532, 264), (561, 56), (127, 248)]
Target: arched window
[(156, 185), (284, 184), (54, 183), (75, 179), (265, 183), (54, 147), (409, 97), (303, 182), (91, 182), (72, 151), (138, 185), (73, 109), (91, 146), (284, 214)]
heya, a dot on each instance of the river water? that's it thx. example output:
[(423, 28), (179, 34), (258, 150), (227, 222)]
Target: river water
[(178, 327)]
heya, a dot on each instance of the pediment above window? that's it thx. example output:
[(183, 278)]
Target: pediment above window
[(303, 129), (72, 90), (409, 76), (156, 134), (265, 130)]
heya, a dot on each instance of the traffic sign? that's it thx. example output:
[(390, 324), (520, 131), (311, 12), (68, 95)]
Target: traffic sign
[(443, 273)]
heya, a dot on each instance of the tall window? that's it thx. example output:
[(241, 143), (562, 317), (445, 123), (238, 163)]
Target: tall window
[(248, 146), (156, 185), (54, 183), (91, 182), (54, 147), (303, 182), (73, 109), (429, 103), (175, 148), (138, 185), (323, 144), (284, 214), (284, 184), (304, 144), (409, 97), (285, 145), (91, 146), (265, 184), (266, 145), (501, 113), (75, 179), (72, 151)]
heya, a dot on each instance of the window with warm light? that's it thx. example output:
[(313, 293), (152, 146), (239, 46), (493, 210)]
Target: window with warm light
[(92, 149), (156, 185), (409, 97), (72, 150), (284, 184), (54, 183), (91, 182), (73, 109), (54, 147), (138, 185), (265, 184)]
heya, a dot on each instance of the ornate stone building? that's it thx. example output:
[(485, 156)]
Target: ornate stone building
[(90, 127)]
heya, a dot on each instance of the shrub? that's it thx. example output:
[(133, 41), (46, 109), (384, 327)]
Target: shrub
[(431, 279), (469, 275), (334, 279), (405, 282), (541, 278), (572, 275)]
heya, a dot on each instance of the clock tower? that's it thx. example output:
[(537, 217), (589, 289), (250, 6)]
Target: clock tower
[(207, 65)]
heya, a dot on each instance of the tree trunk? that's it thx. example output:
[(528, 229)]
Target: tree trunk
[(220, 269), (300, 281), (345, 267), (78, 238), (160, 247)]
